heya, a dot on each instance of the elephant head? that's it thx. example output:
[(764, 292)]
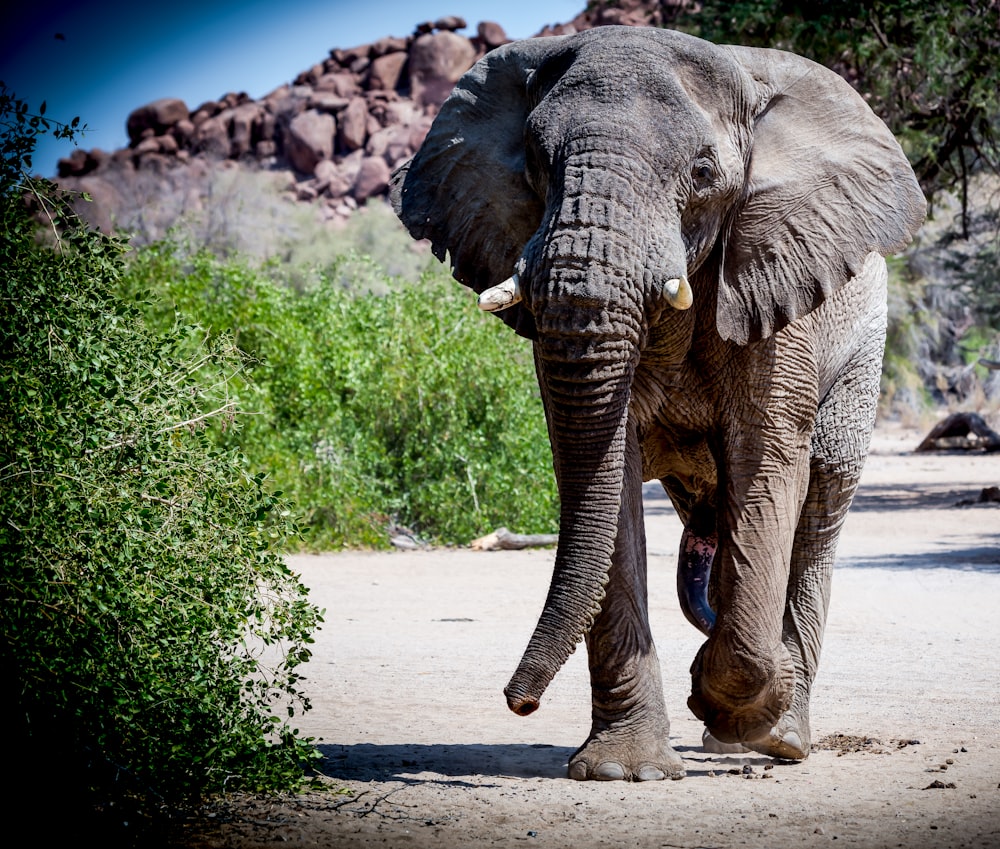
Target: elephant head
[(614, 179)]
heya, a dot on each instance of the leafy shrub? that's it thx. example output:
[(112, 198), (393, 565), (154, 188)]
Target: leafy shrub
[(408, 407), (151, 632)]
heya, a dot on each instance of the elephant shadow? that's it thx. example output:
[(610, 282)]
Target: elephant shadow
[(412, 763), (407, 762)]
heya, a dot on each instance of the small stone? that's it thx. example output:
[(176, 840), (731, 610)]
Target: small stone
[(818, 830), (949, 760), (768, 766), (747, 769)]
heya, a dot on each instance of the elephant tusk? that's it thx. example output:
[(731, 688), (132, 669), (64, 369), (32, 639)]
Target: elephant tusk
[(502, 295), (678, 292)]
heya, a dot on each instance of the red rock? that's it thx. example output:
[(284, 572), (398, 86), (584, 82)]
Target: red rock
[(309, 139), (386, 71), (342, 84), (167, 144), (105, 201), (241, 128), (419, 131), (449, 23), (345, 57), (378, 142), (491, 34), (436, 62), (78, 163), (341, 180), (327, 101), (387, 45), (183, 131), (373, 178), (147, 145), (212, 135), (353, 125), (158, 116)]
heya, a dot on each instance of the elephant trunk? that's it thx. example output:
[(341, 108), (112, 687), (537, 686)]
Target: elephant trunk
[(589, 453), (586, 291)]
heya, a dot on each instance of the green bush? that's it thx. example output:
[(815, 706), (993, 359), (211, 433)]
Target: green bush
[(408, 407), (151, 632)]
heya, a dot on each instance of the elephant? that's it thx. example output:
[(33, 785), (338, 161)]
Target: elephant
[(692, 236)]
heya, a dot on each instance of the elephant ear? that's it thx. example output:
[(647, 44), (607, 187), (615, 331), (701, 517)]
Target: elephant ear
[(465, 189), (826, 184)]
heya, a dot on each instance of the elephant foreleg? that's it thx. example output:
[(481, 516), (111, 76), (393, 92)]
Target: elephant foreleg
[(840, 443), (630, 733)]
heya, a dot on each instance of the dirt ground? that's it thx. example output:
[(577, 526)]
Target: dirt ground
[(420, 749)]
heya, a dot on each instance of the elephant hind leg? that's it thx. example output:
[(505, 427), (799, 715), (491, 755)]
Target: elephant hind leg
[(840, 442)]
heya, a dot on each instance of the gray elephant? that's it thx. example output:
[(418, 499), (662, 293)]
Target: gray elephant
[(692, 236)]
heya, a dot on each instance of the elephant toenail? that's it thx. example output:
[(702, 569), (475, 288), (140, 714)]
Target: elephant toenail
[(649, 773), (578, 771), (609, 771), (792, 740)]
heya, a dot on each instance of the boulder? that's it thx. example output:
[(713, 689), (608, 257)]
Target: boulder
[(327, 101), (340, 181), (183, 131), (353, 125), (245, 119), (308, 139), (211, 136), (389, 44), (491, 35), (158, 116), (342, 83), (386, 71), (78, 163), (437, 60), (105, 201), (372, 180), (450, 23)]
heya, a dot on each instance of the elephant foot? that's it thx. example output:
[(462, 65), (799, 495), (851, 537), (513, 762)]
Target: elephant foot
[(618, 755), (741, 703), (714, 746), (789, 740)]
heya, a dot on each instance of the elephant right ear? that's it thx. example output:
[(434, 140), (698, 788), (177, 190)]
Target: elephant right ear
[(465, 189), (826, 185)]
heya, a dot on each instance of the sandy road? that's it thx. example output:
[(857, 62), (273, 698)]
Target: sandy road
[(407, 708)]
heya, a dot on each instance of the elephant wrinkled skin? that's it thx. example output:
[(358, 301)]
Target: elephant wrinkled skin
[(692, 237)]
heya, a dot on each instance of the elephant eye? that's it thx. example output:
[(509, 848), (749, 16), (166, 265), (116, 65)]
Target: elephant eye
[(702, 175)]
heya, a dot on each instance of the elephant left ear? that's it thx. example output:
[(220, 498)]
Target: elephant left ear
[(826, 185)]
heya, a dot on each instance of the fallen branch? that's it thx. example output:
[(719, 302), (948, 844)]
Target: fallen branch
[(503, 540), (961, 431)]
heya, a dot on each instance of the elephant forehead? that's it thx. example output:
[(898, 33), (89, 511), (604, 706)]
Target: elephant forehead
[(674, 84)]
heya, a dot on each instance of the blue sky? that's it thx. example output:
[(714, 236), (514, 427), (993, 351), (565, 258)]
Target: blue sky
[(115, 56)]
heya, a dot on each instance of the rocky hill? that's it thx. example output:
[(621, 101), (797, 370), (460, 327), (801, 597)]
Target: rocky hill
[(334, 133)]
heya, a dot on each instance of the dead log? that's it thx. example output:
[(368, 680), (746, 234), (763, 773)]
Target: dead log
[(503, 540), (963, 432)]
